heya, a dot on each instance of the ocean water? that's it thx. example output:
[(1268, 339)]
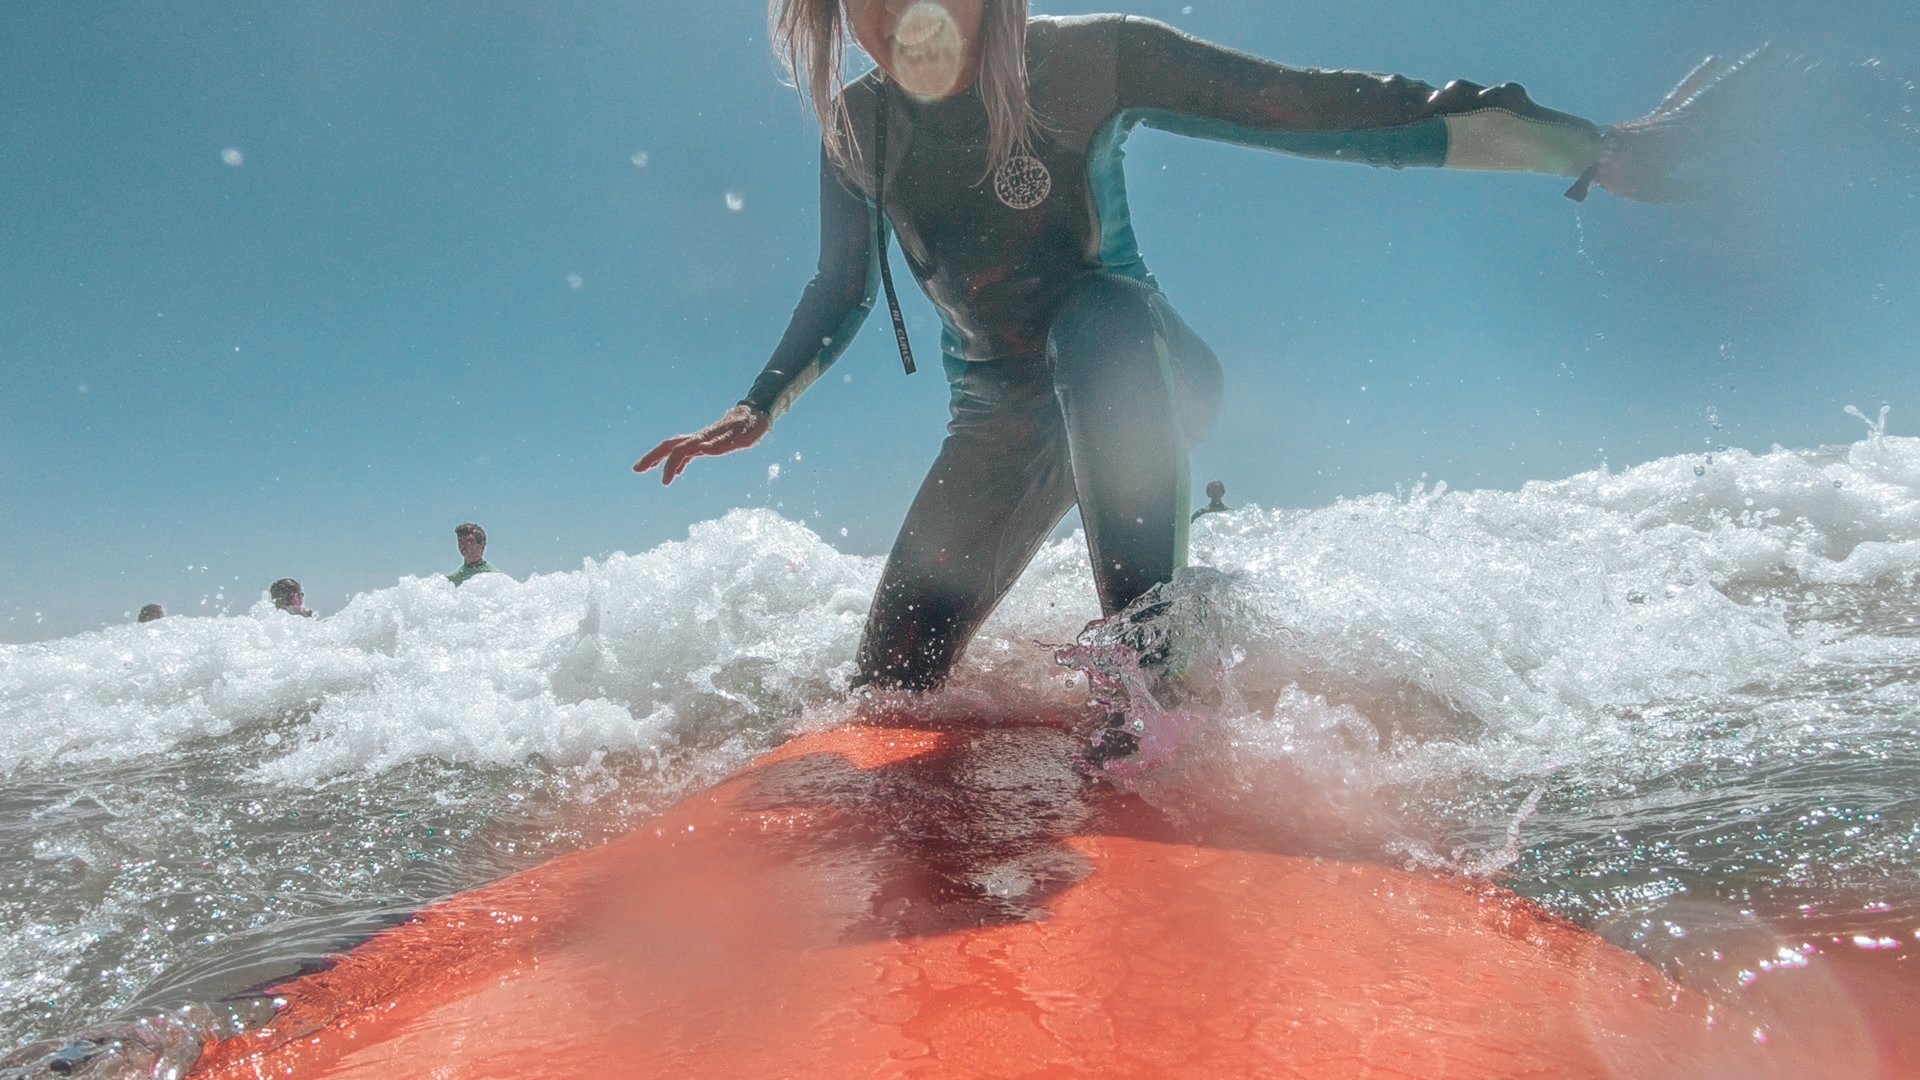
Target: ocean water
[(1678, 703)]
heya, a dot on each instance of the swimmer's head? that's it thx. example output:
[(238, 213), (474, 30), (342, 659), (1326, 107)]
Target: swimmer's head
[(472, 541), (287, 594), (1216, 490), (930, 48)]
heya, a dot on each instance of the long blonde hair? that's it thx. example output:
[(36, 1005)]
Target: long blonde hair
[(810, 39)]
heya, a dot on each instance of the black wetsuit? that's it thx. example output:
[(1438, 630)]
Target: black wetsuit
[(1214, 506), (1073, 379)]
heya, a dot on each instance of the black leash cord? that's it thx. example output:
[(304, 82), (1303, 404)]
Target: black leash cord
[(880, 234)]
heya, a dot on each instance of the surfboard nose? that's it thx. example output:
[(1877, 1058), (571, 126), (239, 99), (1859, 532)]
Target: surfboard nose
[(953, 899)]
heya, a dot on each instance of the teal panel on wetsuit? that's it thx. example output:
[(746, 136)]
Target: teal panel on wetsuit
[(1107, 180)]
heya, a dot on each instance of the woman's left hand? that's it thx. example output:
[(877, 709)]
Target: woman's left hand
[(1639, 163), (1641, 157)]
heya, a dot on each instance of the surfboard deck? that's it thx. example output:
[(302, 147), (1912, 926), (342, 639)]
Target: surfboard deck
[(913, 898)]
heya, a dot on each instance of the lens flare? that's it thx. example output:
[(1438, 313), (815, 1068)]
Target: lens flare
[(927, 51)]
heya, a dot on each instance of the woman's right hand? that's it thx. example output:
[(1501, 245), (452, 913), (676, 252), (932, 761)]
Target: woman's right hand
[(737, 429)]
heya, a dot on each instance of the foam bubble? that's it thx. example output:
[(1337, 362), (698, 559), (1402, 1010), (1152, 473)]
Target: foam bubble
[(927, 50)]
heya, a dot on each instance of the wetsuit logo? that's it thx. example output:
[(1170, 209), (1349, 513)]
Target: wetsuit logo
[(1022, 182)]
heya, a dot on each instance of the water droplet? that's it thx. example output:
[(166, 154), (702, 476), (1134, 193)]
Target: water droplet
[(1699, 470), (639, 159), (575, 281), (736, 201), (233, 157)]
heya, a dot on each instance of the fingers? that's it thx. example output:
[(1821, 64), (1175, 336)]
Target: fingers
[(677, 454), (683, 455), (703, 445), (657, 454), (740, 428), (674, 453), (676, 464), (1702, 74)]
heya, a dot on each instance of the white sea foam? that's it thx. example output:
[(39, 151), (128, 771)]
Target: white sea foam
[(1513, 635), (1497, 626)]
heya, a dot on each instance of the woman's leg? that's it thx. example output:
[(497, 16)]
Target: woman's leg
[(1136, 386), (999, 486)]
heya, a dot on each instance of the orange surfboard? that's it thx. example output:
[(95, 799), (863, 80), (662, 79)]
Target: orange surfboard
[(948, 899)]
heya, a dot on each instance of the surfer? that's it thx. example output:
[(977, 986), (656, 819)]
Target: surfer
[(150, 612), (1216, 491), (472, 541), (989, 143), (289, 597)]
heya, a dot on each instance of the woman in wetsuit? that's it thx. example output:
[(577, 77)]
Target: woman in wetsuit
[(990, 144)]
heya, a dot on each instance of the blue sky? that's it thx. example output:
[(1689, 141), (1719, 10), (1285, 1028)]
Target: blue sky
[(294, 289)]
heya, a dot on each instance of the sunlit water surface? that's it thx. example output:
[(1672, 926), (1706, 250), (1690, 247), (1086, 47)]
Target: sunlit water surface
[(1679, 704)]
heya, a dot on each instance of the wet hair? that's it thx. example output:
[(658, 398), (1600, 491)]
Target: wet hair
[(284, 590), (1216, 489), (150, 612), (810, 40), (468, 528)]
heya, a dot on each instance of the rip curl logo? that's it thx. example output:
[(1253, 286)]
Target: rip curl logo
[(1022, 182)]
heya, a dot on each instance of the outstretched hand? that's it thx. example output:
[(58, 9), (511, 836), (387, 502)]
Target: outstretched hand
[(737, 429), (1643, 156)]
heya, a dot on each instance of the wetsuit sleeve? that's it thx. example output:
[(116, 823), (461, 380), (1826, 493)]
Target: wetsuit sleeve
[(835, 302), (1172, 81)]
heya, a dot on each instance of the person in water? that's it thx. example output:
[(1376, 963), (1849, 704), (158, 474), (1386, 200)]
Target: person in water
[(1216, 491), (150, 612), (989, 142), (472, 541), (289, 597)]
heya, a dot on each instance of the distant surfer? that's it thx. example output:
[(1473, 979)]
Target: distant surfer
[(289, 597), (1216, 492), (472, 541), (990, 144), (150, 612)]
